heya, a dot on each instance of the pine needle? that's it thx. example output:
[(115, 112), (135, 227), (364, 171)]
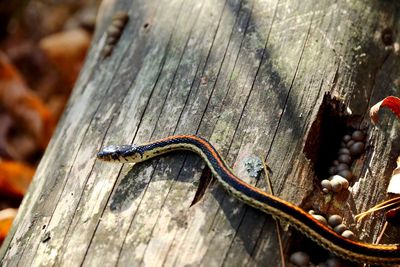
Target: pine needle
[(380, 206)]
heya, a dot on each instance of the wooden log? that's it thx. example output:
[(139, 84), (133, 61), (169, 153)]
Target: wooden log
[(250, 76)]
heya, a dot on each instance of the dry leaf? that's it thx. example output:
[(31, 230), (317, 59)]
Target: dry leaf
[(6, 218), (394, 184), (23, 104), (67, 51), (5, 128), (391, 102), (15, 178)]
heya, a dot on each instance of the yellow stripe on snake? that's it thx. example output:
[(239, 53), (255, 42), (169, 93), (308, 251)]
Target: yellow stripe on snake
[(279, 208)]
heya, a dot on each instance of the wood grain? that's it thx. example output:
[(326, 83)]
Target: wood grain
[(249, 76)]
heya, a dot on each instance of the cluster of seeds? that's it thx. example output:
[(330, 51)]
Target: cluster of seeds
[(336, 183), (352, 146), (114, 31), (336, 223), (302, 259)]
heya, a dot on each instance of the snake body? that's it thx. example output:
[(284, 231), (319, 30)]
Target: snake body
[(253, 196)]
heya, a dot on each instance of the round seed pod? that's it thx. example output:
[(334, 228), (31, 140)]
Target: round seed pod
[(320, 218), (334, 220), (358, 136), (300, 258), (349, 234), (341, 167), (334, 262), (346, 174), (340, 228), (341, 180), (335, 162), (350, 143), (344, 158), (336, 186), (357, 148), (332, 170), (326, 184), (345, 184), (344, 150), (335, 177), (325, 190), (346, 138)]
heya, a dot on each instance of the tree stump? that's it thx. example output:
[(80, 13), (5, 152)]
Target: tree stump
[(271, 79)]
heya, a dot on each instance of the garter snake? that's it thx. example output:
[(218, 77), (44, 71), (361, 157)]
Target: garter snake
[(253, 196)]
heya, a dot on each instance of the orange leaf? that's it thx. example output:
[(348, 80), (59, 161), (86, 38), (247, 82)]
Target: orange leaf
[(391, 102), (6, 218), (15, 178)]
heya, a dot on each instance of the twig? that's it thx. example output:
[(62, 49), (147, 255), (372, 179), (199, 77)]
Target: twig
[(378, 240)]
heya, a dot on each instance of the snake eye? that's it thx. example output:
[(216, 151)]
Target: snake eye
[(110, 152), (107, 151), (120, 153)]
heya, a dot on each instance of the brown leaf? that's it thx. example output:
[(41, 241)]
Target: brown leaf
[(67, 51), (391, 102), (23, 104)]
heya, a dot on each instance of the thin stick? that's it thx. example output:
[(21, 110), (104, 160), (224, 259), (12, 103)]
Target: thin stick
[(383, 205), (378, 240), (278, 226)]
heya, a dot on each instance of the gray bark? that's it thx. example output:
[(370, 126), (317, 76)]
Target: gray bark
[(250, 76)]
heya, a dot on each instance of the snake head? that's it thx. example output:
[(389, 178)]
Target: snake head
[(122, 153)]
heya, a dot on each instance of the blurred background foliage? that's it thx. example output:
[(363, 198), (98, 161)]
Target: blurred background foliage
[(43, 45)]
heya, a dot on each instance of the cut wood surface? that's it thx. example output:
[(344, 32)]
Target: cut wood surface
[(250, 76)]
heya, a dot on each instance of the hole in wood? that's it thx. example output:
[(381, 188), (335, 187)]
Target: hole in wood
[(387, 36), (302, 243), (145, 25), (326, 135), (304, 250)]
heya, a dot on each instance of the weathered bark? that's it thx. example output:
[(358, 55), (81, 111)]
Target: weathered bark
[(250, 76)]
